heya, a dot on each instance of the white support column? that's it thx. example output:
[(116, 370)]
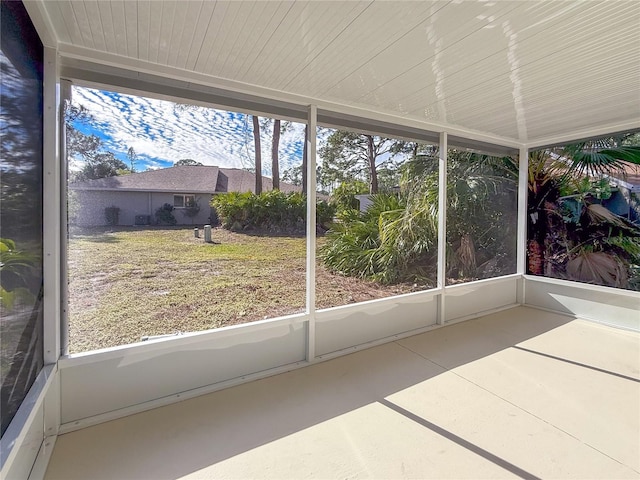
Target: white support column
[(521, 247), (51, 209), (65, 98), (311, 233), (51, 221), (442, 224)]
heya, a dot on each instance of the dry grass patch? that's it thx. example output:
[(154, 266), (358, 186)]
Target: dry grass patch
[(128, 283)]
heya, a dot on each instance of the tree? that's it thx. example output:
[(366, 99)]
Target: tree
[(187, 162), (344, 196), (293, 176), (101, 165), (350, 156), (132, 156), (275, 143), (79, 144), (97, 163), (258, 153)]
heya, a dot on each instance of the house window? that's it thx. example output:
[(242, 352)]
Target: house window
[(184, 201)]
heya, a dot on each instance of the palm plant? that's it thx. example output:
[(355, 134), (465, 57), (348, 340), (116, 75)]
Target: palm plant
[(396, 238), (481, 218), (570, 234)]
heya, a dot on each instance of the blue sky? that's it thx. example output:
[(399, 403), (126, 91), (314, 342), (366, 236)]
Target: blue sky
[(162, 134)]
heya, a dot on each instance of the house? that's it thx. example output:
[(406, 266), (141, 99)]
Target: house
[(138, 196), (517, 375)]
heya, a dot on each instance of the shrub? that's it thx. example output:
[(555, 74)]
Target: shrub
[(325, 213), (111, 215), (191, 209), (344, 196), (273, 210), (378, 245), (164, 215)]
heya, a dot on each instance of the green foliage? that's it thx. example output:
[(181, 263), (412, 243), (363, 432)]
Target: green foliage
[(293, 175), (164, 215), (133, 157), (481, 215), (325, 213), (348, 156), (344, 196), (96, 162), (575, 235), (396, 238), (111, 215), (17, 275), (192, 208), (101, 165), (373, 244), (273, 210), (188, 162)]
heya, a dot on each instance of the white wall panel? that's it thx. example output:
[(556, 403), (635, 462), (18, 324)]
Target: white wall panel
[(119, 378), (470, 299), (612, 306), (28, 451), (351, 325), (23, 438)]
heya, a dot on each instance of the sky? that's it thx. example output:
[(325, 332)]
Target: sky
[(162, 134)]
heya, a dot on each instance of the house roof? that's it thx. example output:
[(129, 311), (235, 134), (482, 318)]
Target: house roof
[(237, 180), (184, 179), (180, 179)]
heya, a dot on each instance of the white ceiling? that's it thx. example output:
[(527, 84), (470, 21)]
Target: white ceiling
[(524, 71)]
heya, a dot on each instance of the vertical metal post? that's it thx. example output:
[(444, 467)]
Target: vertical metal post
[(65, 99), (52, 236), (51, 210), (442, 224), (521, 247), (311, 233)]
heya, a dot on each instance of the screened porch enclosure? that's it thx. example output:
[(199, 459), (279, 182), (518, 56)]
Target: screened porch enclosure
[(493, 79)]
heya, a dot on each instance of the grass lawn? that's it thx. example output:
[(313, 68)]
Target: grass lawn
[(131, 282)]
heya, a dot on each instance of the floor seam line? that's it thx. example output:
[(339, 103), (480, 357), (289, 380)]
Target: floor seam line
[(423, 357)]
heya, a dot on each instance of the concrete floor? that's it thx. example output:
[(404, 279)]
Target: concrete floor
[(521, 393)]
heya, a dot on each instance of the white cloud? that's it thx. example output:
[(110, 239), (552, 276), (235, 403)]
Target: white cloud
[(160, 133)]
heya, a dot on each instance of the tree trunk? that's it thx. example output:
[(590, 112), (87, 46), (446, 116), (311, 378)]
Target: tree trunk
[(275, 167), (373, 173), (304, 160), (535, 258), (256, 141)]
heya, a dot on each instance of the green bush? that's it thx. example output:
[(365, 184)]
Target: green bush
[(164, 215), (376, 245), (344, 196), (111, 215), (273, 211)]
